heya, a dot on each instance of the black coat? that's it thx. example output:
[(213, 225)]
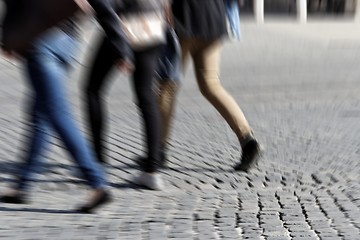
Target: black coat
[(22, 21), (202, 19), (138, 6), (106, 16)]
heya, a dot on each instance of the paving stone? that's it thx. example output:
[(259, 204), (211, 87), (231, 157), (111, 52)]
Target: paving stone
[(303, 109), (278, 238)]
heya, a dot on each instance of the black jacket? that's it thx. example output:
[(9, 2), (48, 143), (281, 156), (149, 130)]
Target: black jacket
[(138, 6), (26, 13), (104, 13), (108, 19), (203, 19)]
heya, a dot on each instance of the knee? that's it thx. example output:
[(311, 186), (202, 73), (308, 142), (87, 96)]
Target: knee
[(210, 90)]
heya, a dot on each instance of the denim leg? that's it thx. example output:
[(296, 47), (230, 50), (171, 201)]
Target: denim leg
[(233, 15), (47, 67), (37, 143)]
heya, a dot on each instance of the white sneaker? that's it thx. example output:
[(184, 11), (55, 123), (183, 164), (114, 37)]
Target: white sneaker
[(152, 181)]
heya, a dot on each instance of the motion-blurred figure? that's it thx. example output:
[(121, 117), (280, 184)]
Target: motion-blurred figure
[(200, 28), (145, 62), (47, 64)]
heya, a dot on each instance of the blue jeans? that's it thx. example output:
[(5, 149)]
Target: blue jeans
[(233, 16), (47, 67)]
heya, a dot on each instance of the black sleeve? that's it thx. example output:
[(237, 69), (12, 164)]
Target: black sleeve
[(106, 16)]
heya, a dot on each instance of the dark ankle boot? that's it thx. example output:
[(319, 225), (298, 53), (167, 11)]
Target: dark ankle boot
[(251, 152)]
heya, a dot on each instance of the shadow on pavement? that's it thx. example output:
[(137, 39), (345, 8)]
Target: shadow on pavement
[(124, 185), (37, 210), (9, 167)]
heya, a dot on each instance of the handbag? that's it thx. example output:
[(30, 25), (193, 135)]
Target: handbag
[(25, 20), (143, 30)]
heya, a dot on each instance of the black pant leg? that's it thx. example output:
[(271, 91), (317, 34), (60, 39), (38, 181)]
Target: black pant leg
[(100, 67), (143, 79)]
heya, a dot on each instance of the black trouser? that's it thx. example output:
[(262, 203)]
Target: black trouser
[(145, 63)]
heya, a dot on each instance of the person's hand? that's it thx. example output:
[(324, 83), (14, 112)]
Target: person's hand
[(125, 66)]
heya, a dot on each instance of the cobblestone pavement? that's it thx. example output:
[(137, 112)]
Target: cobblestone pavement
[(299, 88)]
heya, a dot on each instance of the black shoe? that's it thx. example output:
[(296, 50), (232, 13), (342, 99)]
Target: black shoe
[(16, 199), (251, 153), (103, 199)]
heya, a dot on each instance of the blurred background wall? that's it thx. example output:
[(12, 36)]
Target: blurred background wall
[(344, 8)]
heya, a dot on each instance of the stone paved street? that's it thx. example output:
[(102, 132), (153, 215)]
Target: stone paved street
[(299, 87)]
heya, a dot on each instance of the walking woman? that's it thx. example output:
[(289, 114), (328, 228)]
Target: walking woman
[(47, 64), (145, 62), (201, 28)]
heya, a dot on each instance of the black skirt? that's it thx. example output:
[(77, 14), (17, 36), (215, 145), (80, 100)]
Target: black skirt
[(202, 19)]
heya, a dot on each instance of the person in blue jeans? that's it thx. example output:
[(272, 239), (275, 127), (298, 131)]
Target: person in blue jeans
[(47, 66), (47, 63)]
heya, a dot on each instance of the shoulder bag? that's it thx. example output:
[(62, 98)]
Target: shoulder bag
[(143, 30)]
